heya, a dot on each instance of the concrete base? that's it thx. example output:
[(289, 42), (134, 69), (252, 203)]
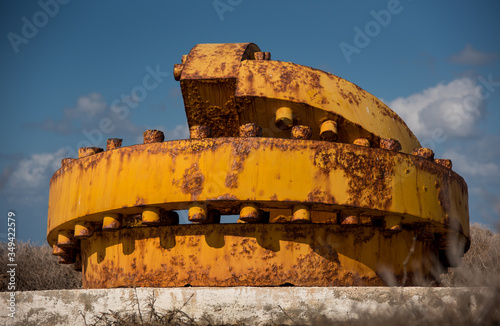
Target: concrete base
[(240, 305)]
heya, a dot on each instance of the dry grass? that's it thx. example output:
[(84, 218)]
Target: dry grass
[(482, 310), (38, 269), (150, 317), (481, 264)]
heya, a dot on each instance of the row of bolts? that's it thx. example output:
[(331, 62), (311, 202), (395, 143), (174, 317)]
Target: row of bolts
[(198, 212)]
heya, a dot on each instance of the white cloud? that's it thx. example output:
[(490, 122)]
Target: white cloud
[(492, 199), (453, 109), (87, 107), (88, 114), (471, 56), (469, 165), (32, 174), (179, 132)]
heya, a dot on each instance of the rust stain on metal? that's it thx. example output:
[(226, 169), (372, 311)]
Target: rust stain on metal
[(390, 144), (113, 143), (192, 181), (379, 180), (231, 180), (338, 187), (426, 153), (67, 160), (153, 136), (200, 132), (365, 171), (444, 162), (321, 196), (301, 132), (250, 130), (88, 151)]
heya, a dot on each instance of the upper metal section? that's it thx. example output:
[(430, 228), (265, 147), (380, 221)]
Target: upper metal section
[(224, 86)]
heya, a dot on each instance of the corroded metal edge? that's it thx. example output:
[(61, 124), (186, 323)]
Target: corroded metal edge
[(227, 85), (253, 254), (334, 177)]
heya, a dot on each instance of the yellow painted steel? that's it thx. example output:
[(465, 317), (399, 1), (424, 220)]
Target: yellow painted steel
[(217, 61), (83, 229), (249, 213), (197, 212), (65, 239), (318, 95), (328, 130), (333, 158), (223, 80), (248, 255), (112, 221), (151, 215), (331, 176), (301, 213)]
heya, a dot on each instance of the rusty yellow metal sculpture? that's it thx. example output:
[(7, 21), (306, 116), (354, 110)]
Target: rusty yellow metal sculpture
[(330, 185)]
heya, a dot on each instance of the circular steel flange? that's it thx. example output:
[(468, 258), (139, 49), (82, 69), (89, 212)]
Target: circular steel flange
[(394, 198)]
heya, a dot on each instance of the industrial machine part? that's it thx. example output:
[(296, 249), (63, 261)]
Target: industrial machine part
[(330, 185)]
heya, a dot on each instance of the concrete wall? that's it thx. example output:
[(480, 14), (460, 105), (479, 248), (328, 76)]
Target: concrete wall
[(244, 305)]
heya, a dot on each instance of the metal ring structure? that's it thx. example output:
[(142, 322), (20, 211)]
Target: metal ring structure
[(314, 209)]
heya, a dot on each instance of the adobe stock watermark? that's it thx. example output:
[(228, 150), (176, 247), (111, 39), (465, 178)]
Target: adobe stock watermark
[(363, 37), (11, 263), (30, 27), (223, 6), (455, 115), (121, 108)]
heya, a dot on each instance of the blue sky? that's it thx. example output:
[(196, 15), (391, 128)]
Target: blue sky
[(65, 64)]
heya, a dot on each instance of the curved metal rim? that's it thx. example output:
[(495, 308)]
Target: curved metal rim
[(333, 176)]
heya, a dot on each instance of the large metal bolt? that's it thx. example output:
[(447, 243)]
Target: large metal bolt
[(284, 118), (250, 130), (66, 161), (178, 71), (301, 132), (197, 212), (249, 213), (151, 215), (66, 255), (83, 229), (262, 55), (87, 151), (393, 223), (362, 142), (65, 239), (57, 251), (328, 130), (350, 220), (112, 222), (301, 214), (113, 143), (390, 144), (426, 153), (198, 132), (444, 162), (153, 136)]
